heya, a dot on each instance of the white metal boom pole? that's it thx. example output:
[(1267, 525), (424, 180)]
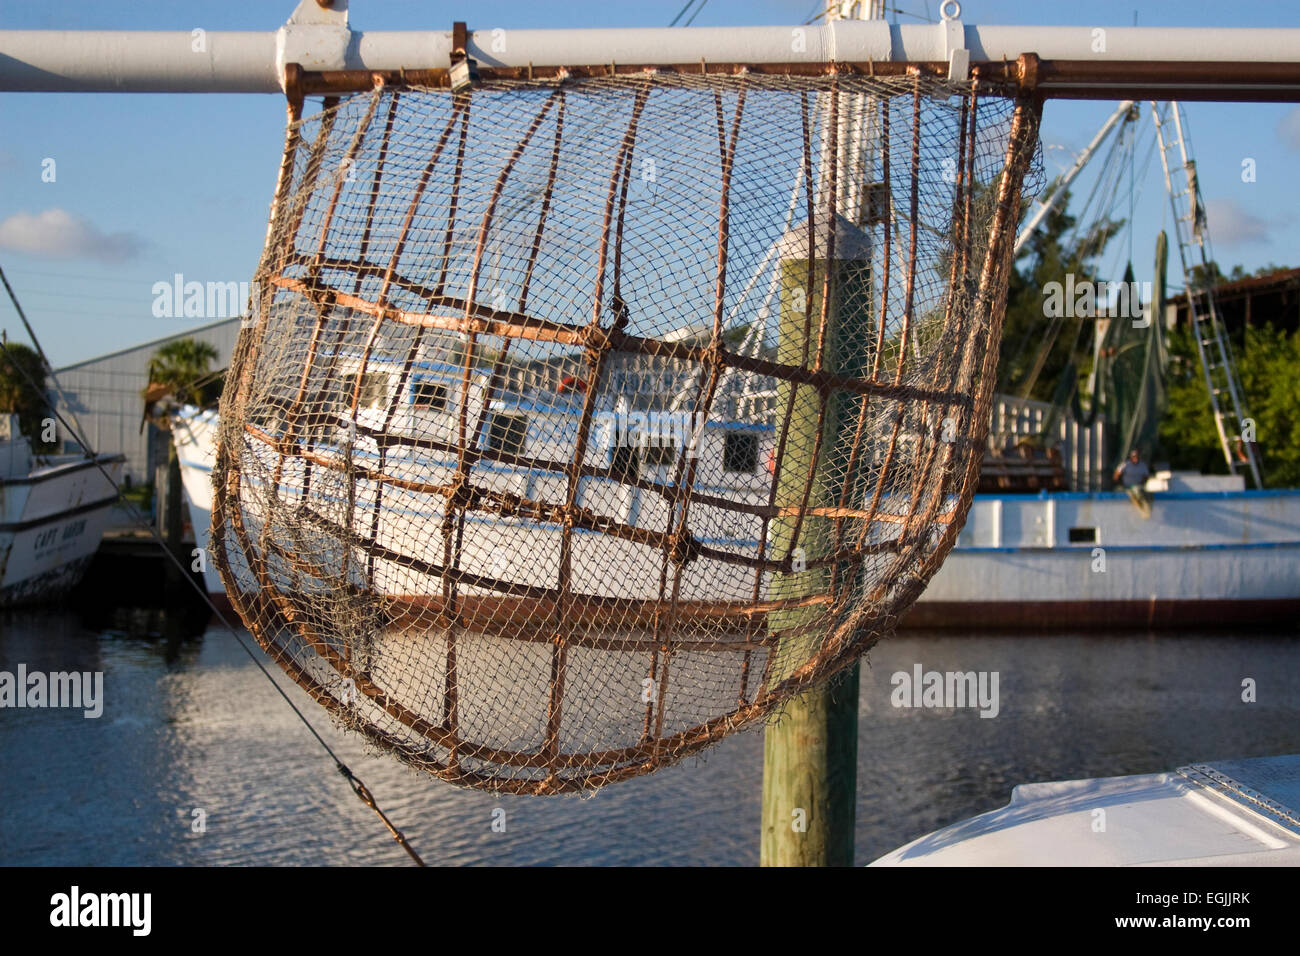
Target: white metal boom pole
[(225, 62)]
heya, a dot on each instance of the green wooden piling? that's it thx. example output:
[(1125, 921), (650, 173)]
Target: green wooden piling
[(810, 753)]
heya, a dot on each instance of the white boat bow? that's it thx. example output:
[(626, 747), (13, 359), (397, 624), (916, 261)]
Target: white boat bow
[(1230, 813)]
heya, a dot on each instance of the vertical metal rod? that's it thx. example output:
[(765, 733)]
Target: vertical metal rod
[(615, 203), (688, 462)]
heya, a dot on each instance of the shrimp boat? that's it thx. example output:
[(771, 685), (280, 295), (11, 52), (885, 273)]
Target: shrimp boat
[(636, 444), (1210, 553), (53, 512)]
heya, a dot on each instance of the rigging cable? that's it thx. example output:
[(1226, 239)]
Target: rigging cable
[(1096, 213), (696, 13), (682, 12)]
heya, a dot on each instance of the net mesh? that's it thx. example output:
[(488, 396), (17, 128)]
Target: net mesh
[(577, 425)]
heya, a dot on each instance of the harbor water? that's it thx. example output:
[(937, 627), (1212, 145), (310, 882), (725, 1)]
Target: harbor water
[(196, 760)]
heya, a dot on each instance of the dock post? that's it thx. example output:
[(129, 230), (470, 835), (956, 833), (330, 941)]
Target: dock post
[(810, 752), (171, 519)]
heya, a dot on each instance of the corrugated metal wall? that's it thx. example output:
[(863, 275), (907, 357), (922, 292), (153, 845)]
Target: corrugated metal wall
[(105, 395), (1083, 450)]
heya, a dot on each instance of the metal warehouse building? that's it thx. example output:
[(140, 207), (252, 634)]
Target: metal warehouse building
[(105, 395)]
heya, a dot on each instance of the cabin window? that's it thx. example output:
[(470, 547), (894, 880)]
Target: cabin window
[(374, 390), (661, 454), (506, 433), (740, 453), (319, 416), (624, 462), (1083, 535), (427, 393), (877, 203)]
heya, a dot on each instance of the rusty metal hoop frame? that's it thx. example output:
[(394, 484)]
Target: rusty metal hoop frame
[(1185, 80), (951, 471)]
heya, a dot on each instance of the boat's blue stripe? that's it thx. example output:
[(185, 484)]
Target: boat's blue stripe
[(1157, 495), (1085, 548)]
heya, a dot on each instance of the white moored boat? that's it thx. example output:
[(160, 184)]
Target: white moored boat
[(1209, 553), (53, 512), (194, 432), (732, 458), (1225, 813)]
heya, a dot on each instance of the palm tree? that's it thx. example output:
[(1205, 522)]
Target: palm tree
[(22, 389), (182, 369)]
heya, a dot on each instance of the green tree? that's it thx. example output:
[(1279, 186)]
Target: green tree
[(1188, 438), (22, 390), (1239, 272), (1218, 276), (1268, 366), (183, 367), (1213, 275)]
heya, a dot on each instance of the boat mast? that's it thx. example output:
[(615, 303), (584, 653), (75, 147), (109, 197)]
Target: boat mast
[(1227, 398), (1047, 205)]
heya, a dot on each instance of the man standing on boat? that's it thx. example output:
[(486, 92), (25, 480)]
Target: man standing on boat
[(1132, 474)]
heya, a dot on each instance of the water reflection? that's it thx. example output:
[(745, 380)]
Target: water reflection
[(190, 724)]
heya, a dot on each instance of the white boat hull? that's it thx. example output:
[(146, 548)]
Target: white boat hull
[(1203, 557), (51, 523), (195, 437)]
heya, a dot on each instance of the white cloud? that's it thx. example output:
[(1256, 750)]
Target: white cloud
[(1288, 128), (59, 234), (1061, 153), (1232, 225)]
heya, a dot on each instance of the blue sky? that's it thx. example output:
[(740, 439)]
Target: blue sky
[(152, 185)]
